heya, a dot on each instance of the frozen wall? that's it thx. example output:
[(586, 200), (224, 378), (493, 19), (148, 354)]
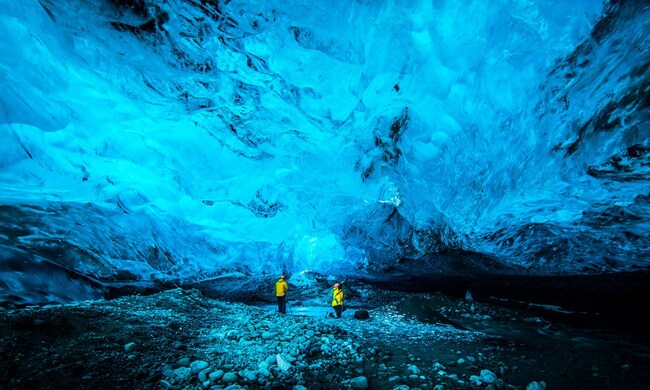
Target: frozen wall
[(182, 139)]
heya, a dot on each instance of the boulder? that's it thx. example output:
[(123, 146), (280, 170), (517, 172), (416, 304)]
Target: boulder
[(361, 315)]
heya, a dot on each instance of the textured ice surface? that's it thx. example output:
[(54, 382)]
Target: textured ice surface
[(181, 139)]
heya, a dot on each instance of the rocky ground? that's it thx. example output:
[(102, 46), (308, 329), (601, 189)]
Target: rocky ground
[(182, 339)]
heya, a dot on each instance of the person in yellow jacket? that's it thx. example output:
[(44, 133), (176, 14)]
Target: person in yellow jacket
[(337, 299), (281, 288)]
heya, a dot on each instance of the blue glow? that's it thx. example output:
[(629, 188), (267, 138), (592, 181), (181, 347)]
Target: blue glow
[(182, 141)]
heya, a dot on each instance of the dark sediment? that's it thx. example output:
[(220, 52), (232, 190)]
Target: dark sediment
[(613, 301), (445, 339)]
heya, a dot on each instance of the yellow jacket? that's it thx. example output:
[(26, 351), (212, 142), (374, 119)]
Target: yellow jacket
[(281, 288), (337, 297)]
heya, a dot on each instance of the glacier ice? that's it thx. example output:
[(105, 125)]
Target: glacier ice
[(177, 140)]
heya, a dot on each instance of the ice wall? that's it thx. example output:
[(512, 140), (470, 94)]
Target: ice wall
[(185, 139)]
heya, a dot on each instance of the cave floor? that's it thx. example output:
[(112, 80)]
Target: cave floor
[(183, 339)]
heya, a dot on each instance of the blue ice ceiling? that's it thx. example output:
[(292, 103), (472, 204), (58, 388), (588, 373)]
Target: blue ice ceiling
[(186, 139)]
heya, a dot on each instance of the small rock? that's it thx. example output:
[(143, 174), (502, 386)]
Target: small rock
[(401, 387), (198, 366), (264, 372), (471, 359), (536, 386), (394, 378), (488, 376), (180, 346), (250, 375), (268, 335), (167, 371), (413, 369), (299, 387), (229, 377), (203, 375), (361, 315), (359, 382), (165, 385), (184, 362), (282, 364), (439, 387), (130, 347), (461, 361), (215, 376), (183, 373)]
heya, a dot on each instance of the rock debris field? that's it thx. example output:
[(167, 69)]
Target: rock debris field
[(180, 339)]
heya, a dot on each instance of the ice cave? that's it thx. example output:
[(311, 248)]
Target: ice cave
[(475, 174)]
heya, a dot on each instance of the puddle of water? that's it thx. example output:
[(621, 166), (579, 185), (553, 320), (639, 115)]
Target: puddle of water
[(534, 330), (310, 311)]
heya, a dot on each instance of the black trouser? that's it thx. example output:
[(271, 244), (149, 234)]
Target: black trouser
[(338, 309), (282, 304)]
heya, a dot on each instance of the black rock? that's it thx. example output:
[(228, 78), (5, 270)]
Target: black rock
[(361, 315)]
